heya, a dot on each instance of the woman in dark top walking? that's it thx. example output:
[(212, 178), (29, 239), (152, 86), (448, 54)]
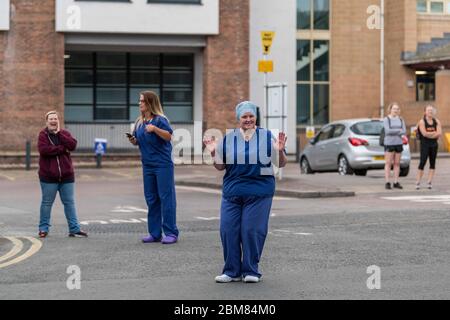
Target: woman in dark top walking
[(56, 174), (429, 129)]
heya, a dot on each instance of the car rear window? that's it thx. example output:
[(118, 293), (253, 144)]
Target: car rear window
[(367, 128)]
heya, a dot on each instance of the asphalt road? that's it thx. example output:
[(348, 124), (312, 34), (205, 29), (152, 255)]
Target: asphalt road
[(316, 249)]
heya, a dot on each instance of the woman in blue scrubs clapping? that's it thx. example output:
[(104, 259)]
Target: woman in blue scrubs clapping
[(247, 154), (153, 134)]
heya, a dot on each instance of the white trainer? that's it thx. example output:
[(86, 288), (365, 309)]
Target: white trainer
[(226, 279), (251, 279)]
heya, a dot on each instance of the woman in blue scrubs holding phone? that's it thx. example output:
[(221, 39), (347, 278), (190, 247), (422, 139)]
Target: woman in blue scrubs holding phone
[(153, 134), (247, 155)]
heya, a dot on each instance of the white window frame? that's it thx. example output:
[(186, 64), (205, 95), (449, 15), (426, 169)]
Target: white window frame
[(4, 15), (446, 8)]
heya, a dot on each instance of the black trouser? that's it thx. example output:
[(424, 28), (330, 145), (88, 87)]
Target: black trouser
[(428, 150)]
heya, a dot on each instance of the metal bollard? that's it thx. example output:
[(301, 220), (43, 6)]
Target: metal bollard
[(99, 160), (28, 155)]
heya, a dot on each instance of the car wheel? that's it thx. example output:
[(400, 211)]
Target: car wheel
[(362, 172), (305, 167), (404, 171), (344, 167)]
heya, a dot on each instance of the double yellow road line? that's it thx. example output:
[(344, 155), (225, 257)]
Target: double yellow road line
[(14, 256)]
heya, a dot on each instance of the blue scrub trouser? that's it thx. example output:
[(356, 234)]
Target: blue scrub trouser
[(244, 223), (159, 190)]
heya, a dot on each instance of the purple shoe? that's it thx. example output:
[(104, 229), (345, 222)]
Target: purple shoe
[(169, 239), (150, 239)]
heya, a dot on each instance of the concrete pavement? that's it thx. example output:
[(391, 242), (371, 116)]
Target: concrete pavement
[(316, 248)]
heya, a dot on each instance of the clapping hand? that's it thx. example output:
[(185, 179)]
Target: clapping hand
[(211, 144), (280, 143)]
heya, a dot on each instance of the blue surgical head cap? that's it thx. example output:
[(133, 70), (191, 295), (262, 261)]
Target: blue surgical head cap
[(245, 107)]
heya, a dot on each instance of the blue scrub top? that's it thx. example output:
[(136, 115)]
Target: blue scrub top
[(155, 151), (248, 164)]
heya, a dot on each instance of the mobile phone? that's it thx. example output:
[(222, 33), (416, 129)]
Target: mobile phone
[(129, 135)]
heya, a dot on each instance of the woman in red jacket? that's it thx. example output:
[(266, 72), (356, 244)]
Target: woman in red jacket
[(56, 174)]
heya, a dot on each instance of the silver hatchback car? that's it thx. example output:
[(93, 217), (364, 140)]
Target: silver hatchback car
[(349, 147)]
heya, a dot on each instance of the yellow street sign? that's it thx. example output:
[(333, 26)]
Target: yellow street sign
[(310, 132), (265, 66), (267, 38)]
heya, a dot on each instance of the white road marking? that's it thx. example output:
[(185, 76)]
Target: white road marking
[(445, 199), (86, 223), (289, 232), (128, 209), (7, 177), (114, 221), (36, 245), (284, 231), (283, 198), (118, 221)]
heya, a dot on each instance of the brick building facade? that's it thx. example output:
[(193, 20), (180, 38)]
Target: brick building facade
[(354, 61), (32, 72), (205, 54), (226, 66)]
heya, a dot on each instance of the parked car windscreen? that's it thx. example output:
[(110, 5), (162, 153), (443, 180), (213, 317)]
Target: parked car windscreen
[(367, 128)]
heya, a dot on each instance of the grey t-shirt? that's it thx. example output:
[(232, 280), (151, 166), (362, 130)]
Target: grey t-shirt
[(394, 131)]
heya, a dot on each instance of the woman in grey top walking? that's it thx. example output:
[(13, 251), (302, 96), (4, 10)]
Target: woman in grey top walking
[(395, 129)]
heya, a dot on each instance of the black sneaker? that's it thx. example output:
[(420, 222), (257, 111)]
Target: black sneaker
[(388, 186), (397, 186), (80, 234)]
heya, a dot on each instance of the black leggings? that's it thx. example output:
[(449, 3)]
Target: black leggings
[(428, 150)]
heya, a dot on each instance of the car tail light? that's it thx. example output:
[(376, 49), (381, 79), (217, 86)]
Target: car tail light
[(405, 140), (356, 142)]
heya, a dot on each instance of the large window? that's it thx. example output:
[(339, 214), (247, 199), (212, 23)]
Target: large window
[(321, 9), (433, 6), (313, 14), (105, 86), (313, 81), (304, 14)]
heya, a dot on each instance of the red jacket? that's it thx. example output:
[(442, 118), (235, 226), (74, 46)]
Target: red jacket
[(55, 163)]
